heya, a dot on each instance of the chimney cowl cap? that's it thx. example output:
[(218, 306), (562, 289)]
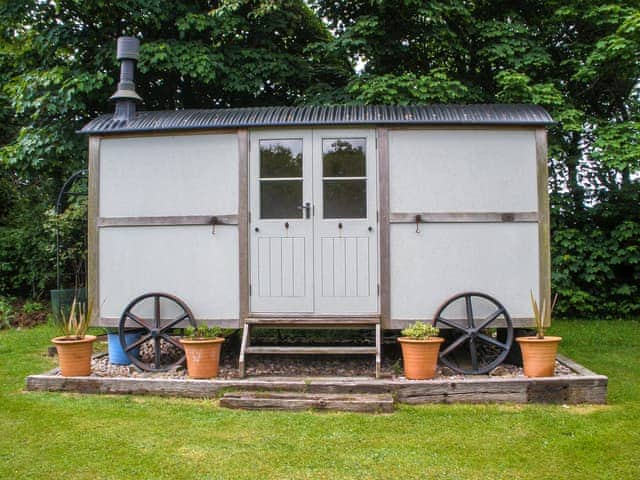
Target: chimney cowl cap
[(128, 48)]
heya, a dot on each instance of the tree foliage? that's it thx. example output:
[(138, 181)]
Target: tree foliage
[(578, 58)]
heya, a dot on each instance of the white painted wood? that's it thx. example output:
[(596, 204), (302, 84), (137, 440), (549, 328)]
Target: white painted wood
[(347, 263), (281, 259), (444, 259), (462, 171), (190, 262), (169, 175)]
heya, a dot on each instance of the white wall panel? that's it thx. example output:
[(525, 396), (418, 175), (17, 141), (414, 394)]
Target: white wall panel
[(189, 262), (444, 259), (462, 171), (169, 176)]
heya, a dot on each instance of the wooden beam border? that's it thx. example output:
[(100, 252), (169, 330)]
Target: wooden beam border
[(161, 221), (464, 217), (544, 228), (93, 234), (243, 223), (382, 137)]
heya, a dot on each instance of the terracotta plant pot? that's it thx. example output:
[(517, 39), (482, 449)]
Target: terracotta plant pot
[(203, 356), (420, 357), (74, 355), (539, 355)]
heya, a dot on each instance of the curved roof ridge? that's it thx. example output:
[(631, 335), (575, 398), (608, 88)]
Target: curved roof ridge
[(437, 114)]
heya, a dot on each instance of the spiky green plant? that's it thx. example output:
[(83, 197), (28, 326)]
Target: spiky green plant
[(542, 313), (76, 323), (420, 331)]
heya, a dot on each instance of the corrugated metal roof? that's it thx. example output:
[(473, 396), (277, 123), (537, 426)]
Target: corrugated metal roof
[(486, 114)]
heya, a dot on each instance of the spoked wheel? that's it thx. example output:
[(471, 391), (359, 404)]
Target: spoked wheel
[(155, 315), (479, 336)]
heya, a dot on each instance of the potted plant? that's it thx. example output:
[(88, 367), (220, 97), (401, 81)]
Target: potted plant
[(539, 351), (75, 346), (202, 345), (420, 346)]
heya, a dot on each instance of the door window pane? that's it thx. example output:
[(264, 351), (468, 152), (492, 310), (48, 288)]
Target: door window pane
[(343, 157), (280, 158), (345, 198), (280, 198)]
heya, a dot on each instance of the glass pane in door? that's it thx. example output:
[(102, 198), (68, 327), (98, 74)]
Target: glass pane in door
[(344, 178), (280, 178)]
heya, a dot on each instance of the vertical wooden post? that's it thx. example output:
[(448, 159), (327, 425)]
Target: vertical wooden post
[(544, 229), (93, 234), (382, 135), (243, 223)]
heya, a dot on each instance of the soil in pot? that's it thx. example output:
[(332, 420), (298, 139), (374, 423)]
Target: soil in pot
[(539, 355), (420, 357), (203, 356), (74, 355)]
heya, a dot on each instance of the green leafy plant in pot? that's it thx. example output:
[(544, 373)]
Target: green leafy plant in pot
[(202, 346), (539, 351), (74, 346), (420, 347)]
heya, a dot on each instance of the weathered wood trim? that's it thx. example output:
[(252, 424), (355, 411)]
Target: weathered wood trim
[(303, 317), (161, 221), (93, 234), (220, 322), (517, 322), (169, 133), (569, 389), (465, 217), (544, 228), (383, 226), (370, 403), (243, 223)]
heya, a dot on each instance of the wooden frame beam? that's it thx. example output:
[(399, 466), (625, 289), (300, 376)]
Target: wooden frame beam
[(464, 217), (160, 221), (382, 137), (93, 234), (243, 223), (544, 228)]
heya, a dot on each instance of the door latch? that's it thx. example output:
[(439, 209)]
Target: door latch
[(306, 206)]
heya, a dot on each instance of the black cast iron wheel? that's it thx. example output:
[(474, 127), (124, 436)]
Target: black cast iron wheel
[(474, 345), (153, 329)]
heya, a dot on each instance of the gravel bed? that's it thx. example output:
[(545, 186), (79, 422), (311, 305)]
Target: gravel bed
[(302, 366)]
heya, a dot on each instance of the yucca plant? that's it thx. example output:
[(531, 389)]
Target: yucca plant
[(542, 313), (76, 323)]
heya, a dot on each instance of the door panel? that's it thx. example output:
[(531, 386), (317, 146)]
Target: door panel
[(345, 222), (281, 241)]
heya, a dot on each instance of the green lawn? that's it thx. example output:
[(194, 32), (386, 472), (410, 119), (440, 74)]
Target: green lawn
[(45, 435)]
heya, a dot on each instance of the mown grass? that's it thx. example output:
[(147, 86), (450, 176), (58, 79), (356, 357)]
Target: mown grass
[(48, 435)]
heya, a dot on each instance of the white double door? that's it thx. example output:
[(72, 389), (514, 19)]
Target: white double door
[(313, 231)]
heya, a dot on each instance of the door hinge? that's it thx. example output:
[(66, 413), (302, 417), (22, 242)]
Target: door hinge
[(378, 289), (249, 289)]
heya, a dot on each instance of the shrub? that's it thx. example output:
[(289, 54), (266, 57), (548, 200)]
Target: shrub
[(420, 331)]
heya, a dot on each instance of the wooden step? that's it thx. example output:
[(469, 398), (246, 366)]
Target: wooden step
[(302, 321), (371, 403), (313, 350)]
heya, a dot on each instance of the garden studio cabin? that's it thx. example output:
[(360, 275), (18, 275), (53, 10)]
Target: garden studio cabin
[(311, 213)]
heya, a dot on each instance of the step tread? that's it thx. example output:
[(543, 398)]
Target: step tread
[(314, 321), (313, 350), (304, 401)]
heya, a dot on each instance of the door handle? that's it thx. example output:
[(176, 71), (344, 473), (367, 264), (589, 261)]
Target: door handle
[(306, 206)]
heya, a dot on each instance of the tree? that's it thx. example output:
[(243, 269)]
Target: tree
[(579, 59), (58, 69)]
